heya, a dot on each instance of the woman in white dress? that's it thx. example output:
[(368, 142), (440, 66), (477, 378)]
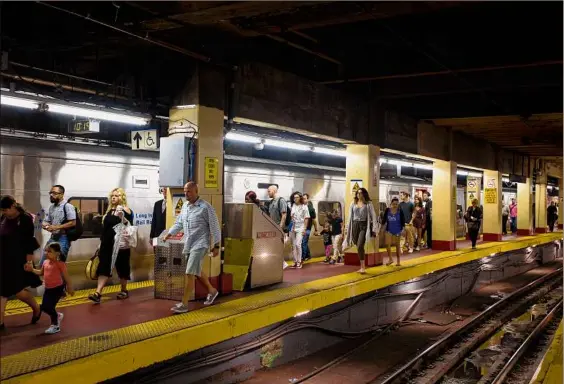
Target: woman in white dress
[(299, 220)]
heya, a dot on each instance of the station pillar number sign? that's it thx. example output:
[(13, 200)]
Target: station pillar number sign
[(211, 172)]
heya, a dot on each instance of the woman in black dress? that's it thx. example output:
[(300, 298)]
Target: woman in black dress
[(117, 211), (17, 244)]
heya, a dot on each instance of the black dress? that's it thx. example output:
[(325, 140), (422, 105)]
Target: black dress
[(16, 242), (123, 267)]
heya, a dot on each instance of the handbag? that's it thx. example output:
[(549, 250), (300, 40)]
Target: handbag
[(92, 266)]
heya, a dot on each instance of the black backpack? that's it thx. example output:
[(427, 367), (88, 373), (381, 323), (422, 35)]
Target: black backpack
[(288, 216), (75, 232)]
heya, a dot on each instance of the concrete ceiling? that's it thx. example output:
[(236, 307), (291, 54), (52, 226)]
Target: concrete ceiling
[(430, 60)]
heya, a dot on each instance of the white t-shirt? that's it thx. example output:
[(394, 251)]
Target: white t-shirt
[(299, 214)]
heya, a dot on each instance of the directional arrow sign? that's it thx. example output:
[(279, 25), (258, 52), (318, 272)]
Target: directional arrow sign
[(144, 140), (137, 138)]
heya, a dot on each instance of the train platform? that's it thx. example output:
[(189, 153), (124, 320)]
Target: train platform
[(550, 370), (100, 342)]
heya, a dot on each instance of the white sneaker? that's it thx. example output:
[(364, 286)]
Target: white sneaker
[(177, 305), (284, 265), (410, 250), (417, 249), (60, 318), (53, 329), (181, 309), (211, 297)]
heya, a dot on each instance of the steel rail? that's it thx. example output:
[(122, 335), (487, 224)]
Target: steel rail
[(508, 367), (437, 346)]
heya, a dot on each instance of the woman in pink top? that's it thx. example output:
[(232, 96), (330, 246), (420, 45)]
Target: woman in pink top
[(53, 270)]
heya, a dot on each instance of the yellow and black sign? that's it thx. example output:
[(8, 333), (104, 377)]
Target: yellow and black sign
[(490, 195), (356, 185), (178, 207), (211, 172)]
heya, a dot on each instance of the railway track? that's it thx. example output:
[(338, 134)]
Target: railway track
[(431, 365), (519, 367)]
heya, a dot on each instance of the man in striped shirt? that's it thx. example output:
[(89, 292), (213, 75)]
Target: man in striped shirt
[(201, 229)]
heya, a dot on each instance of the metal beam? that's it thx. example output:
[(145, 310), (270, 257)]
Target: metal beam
[(156, 42), (441, 73)]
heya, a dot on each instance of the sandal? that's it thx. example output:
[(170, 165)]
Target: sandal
[(95, 297), (123, 295)]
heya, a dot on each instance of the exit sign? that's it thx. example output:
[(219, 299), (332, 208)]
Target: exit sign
[(84, 126)]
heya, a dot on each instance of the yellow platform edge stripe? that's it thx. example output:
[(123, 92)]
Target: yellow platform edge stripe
[(550, 368), (110, 354)]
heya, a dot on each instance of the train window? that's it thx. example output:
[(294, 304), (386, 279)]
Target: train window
[(265, 185), (325, 207), (91, 211)]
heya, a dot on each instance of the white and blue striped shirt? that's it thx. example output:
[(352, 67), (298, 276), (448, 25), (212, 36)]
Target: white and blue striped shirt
[(199, 223)]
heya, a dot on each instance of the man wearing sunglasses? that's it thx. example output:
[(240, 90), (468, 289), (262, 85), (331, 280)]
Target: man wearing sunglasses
[(55, 220)]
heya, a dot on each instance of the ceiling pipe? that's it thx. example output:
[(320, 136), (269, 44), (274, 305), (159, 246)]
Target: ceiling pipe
[(159, 43), (302, 48), (66, 75), (67, 87), (441, 73)]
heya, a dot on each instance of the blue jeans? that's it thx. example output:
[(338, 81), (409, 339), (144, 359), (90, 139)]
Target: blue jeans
[(513, 224), (65, 246), (306, 254)]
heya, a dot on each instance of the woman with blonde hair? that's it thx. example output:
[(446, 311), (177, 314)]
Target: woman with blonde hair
[(118, 212)]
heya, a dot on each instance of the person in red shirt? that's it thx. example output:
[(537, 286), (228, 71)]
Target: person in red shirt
[(54, 271)]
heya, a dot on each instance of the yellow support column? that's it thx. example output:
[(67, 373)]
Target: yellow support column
[(205, 126), (444, 209), (363, 171), (540, 208), (560, 206), (524, 209), (491, 223), (473, 191)]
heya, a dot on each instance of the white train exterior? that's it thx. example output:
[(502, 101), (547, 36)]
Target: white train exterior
[(30, 166)]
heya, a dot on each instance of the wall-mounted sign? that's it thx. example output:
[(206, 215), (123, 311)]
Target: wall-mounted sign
[(211, 172), (177, 202), (490, 195), (84, 126), (145, 140), (356, 184)]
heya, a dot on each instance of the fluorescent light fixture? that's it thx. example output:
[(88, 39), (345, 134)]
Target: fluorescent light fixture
[(97, 114), (428, 167), (233, 136), (330, 151), (505, 179), (287, 145), (399, 162), (19, 102), (474, 174), (188, 106), (461, 173)]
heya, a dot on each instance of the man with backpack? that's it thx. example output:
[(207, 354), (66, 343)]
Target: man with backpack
[(278, 211), (62, 221)]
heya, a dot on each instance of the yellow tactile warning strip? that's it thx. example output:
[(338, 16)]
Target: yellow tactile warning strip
[(550, 369), (110, 354), (15, 307)]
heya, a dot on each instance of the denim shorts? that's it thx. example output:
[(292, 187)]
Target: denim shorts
[(194, 261)]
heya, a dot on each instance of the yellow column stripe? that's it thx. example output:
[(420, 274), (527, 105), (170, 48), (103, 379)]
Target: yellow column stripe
[(110, 354)]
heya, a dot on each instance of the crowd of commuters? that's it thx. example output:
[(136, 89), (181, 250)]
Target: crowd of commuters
[(403, 224)]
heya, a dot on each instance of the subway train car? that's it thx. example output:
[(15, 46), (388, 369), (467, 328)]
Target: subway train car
[(30, 166)]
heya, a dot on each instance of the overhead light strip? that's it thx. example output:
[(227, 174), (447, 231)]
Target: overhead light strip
[(97, 113)]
